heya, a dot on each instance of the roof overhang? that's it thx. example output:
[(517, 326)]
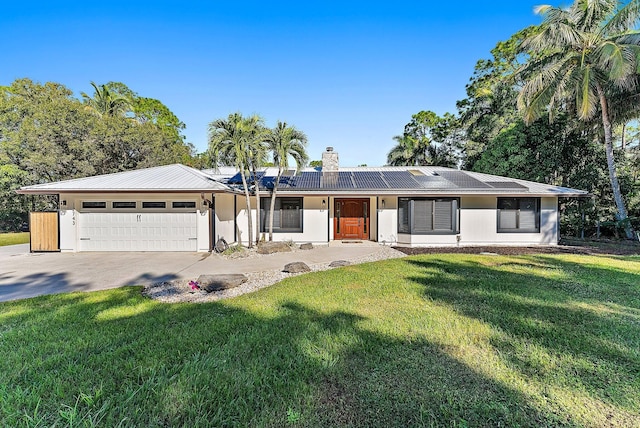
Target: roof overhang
[(426, 192), (26, 191)]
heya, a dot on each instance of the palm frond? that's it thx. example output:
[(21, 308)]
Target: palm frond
[(624, 18)]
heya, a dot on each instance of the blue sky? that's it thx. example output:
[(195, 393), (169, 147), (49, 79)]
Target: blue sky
[(349, 74)]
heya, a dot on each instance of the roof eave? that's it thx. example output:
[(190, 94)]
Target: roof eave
[(59, 191)]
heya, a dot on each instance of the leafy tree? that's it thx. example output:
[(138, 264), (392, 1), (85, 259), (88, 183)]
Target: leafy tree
[(150, 110), (284, 142), (490, 106), (48, 135), (315, 164), (580, 57), (230, 142), (428, 139)]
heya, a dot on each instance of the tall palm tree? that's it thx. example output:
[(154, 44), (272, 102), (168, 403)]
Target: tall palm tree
[(285, 141), (105, 102), (581, 56), (257, 156), (230, 140)]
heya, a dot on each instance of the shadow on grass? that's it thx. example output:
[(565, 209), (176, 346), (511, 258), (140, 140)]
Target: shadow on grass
[(577, 330), (151, 364)]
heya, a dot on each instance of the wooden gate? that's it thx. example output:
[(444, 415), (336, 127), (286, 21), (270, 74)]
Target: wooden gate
[(44, 230)]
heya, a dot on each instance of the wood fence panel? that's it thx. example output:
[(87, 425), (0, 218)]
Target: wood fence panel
[(44, 230)]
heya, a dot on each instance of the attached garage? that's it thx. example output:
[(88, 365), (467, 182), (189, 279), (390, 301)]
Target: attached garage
[(166, 208), (137, 231)]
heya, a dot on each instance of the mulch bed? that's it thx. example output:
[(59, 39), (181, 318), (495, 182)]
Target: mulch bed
[(621, 250)]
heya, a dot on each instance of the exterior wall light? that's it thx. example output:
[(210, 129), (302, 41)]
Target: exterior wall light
[(324, 204), (384, 204)]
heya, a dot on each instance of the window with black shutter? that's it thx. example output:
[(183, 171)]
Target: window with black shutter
[(428, 216), (518, 215), (287, 215)]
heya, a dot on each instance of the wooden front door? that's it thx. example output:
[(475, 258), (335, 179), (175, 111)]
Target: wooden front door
[(351, 219)]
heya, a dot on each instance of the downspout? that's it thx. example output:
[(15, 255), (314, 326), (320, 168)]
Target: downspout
[(377, 219), (235, 218), (328, 220), (212, 221)]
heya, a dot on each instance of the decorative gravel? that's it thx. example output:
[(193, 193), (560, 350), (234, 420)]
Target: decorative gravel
[(180, 291)]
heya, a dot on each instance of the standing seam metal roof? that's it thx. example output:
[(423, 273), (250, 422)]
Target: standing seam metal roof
[(174, 177)]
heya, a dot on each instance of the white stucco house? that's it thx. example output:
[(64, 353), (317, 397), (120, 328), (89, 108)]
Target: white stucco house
[(178, 208)]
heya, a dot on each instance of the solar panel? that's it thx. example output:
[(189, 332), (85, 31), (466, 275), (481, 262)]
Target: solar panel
[(434, 182), (336, 180), (345, 180), (236, 179), (369, 180), (400, 180), (267, 182), (306, 180), (463, 180)]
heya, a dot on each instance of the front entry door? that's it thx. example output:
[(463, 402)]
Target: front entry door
[(351, 219)]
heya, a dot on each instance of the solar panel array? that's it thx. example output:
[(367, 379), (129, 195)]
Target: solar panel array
[(461, 179), (400, 180), (379, 180), (369, 180), (434, 182), (237, 179)]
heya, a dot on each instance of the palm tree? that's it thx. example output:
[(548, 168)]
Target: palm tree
[(106, 102), (409, 151), (581, 56), (257, 156), (230, 142), (285, 141)]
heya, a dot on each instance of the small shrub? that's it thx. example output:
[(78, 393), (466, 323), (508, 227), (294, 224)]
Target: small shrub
[(234, 249)]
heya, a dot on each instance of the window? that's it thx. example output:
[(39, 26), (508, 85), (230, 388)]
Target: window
[(154, 205), (426, 216), (94, 204), (287, 215), (123, 204), (518, 215), (183, 204)]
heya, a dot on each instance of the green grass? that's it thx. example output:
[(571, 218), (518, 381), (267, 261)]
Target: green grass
[(434, 340), (14, 238)]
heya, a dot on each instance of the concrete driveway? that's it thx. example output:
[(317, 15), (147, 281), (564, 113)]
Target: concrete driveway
[(24, 274)]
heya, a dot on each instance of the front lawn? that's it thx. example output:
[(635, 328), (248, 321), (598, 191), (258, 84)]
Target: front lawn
[(453, 340), (14, 238)]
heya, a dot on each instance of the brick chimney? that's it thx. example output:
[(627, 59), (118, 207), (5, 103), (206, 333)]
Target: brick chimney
[(330, 160)]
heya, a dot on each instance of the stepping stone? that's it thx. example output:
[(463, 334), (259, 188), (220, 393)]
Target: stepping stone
[(296, 267), (219, 282), (273, 247), (306, 246), (339, 263)]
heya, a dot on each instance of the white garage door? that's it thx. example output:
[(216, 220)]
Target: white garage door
[(137, 232)]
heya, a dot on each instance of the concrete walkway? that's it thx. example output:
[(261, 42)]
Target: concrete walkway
[(24, 274)]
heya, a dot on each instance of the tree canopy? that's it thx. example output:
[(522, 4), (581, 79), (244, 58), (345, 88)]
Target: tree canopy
[(46, 134)]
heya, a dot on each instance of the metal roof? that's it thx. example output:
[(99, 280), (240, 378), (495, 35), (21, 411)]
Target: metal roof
[(404, 180), (168, 178), (401, 180)]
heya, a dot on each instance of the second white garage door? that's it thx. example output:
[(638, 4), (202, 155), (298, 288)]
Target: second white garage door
[(137, 231)]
